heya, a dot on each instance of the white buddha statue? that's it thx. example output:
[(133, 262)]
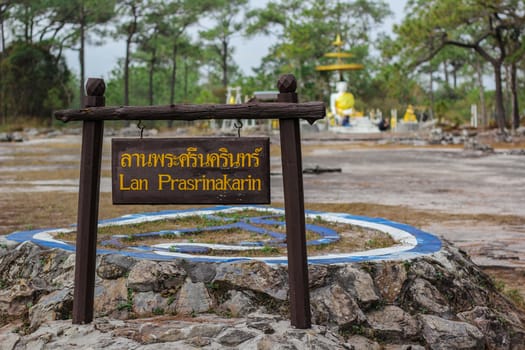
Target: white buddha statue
[(342, 103)]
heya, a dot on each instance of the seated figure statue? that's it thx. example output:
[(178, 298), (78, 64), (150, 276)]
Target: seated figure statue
[(342, 103), (410, 116)]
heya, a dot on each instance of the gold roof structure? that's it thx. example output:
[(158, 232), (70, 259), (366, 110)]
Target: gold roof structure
[(340, 65)]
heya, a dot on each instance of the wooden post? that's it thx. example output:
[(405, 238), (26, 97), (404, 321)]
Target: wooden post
[(294, 208), (88, 201)]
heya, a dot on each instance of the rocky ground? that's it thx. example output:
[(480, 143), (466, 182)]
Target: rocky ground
[(462, 187), (443, 301)]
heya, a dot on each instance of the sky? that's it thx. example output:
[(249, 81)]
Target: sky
[(100, 60)]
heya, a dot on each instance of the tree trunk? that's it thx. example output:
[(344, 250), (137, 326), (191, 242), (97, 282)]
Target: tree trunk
[(173, 80), (126, 70), (514, 91), (26, 24), (185, 79), (81, 56), (151, 71), (3, 103), (479, 71), (131, 32), (31, 26), (507, 93), (445, 70), (173, 74), (224, 64), (2, 34), (500, 108), (431, 89)]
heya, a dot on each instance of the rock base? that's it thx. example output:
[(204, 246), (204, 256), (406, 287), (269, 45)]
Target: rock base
[(441, 301)]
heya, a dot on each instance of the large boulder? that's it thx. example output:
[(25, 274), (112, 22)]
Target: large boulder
[(147, 275), (439, 301), (256, 276), (443, 334)]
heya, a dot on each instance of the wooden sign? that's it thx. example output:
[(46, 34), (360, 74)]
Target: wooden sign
[(225, 170)]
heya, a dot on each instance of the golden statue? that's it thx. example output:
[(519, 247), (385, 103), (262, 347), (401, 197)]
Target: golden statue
[(410, 116)]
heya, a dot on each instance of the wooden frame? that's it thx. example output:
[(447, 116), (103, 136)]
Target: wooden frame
[(287, 110)]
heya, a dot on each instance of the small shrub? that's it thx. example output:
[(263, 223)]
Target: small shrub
[(158, 311)]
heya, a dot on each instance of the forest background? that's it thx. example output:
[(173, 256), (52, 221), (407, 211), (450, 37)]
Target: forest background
[(443, 57)]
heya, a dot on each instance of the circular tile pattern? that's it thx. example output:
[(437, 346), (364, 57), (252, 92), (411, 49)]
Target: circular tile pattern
[(412, 241)]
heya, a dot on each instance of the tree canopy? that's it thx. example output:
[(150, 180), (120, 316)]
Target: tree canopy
[(24, 66), (443, 56), (491, 29)]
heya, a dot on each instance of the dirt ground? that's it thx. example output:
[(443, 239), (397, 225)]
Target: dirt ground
[(473, 199)]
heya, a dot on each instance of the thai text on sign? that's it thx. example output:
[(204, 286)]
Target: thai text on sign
[(223, 170)]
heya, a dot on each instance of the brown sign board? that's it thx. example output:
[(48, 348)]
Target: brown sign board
[(210, 170)]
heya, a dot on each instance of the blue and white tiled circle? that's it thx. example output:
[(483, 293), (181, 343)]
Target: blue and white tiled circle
[(412, 242)]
